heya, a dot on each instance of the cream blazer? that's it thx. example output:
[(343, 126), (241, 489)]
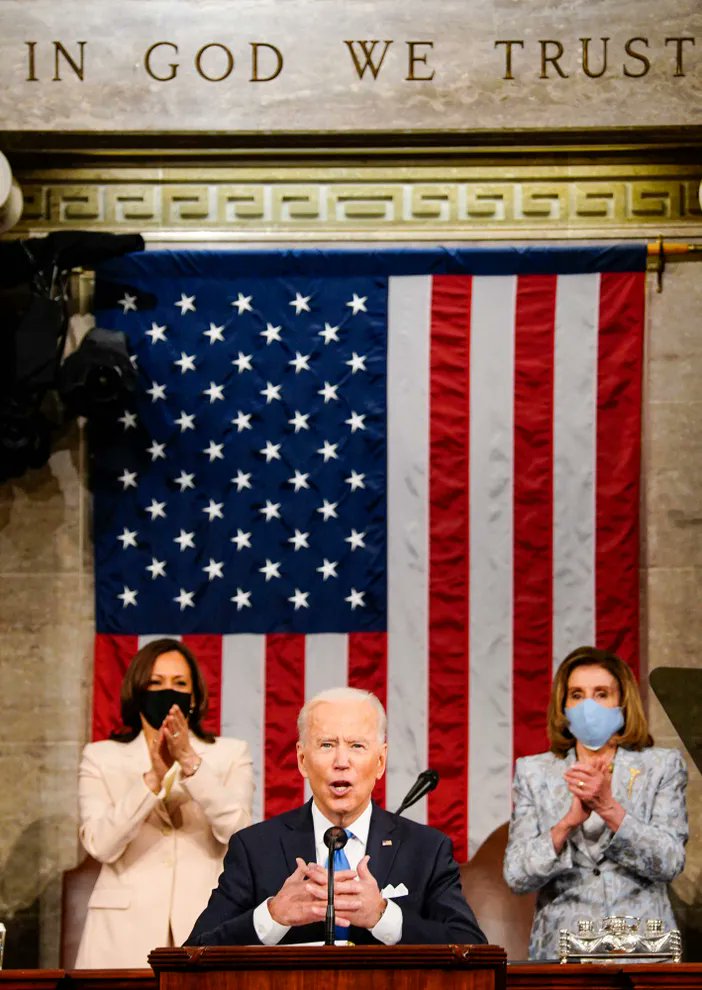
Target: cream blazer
[(161, 853)]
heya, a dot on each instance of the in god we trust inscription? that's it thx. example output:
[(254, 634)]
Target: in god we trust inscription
[(333, 67), (366, 58)]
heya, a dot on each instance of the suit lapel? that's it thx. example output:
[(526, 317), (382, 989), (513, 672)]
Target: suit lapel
[(138, 750), (138, 761), (383, 844), (297, 837), (558, 794)]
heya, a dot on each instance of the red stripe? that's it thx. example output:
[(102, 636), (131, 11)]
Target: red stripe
[(619, 464), (448, 556), (533, 511), (113, 655), (368, 669), (208, 653), (285, 696)]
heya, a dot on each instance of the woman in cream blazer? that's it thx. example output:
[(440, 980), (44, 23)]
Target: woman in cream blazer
[(157, 811)]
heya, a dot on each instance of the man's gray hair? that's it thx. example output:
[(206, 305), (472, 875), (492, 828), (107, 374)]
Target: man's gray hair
[(342, 694)]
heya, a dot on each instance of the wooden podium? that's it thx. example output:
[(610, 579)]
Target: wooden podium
[(297, 967)]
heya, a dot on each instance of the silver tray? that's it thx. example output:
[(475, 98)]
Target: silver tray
[(620, 938)]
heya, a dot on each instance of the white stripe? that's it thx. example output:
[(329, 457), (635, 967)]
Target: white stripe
[(491, 554), (243, 698), (409, 312), (574, 455), (326, 662), (326, 666), (152, 637)]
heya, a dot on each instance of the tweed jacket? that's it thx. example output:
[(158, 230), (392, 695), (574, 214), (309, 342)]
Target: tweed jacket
[(161, 853), (623, 872)]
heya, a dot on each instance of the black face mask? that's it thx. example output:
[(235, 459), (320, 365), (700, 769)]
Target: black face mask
[(155, 705)]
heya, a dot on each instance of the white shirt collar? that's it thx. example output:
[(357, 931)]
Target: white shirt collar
[(359, 828)]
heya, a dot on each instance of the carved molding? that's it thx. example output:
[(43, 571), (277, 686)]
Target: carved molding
[(360, 201)]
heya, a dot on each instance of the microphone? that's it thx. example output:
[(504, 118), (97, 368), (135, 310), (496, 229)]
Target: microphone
[(334, 838), (425, 782)]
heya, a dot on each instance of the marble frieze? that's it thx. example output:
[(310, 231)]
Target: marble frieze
[(262, 66)]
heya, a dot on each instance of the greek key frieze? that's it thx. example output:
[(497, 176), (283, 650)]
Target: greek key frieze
[(329, 205)]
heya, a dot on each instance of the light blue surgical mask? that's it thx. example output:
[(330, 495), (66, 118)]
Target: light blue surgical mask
[(593, 724)]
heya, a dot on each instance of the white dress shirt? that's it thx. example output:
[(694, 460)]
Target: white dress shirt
[(389, 928)]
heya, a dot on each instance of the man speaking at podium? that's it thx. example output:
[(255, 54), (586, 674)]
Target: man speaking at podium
[(398, 881)]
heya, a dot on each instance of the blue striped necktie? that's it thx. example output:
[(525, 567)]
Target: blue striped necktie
[(341, 862)]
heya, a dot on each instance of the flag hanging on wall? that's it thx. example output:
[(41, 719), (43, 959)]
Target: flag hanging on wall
[(413, 471)]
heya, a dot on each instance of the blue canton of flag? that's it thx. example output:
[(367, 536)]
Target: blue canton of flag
[(244, 487)]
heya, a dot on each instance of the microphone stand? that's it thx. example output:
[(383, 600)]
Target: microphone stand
[(334, 838), (330, 919)]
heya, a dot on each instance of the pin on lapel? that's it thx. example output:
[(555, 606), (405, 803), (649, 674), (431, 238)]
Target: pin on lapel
[(386, 842), (633, 774)]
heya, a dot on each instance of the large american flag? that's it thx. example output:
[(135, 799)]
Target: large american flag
[(414, 471)]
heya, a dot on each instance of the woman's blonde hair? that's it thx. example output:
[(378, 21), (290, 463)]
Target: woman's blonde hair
[(634, 735)]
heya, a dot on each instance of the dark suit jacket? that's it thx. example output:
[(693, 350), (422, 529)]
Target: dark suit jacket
[(261, 857)]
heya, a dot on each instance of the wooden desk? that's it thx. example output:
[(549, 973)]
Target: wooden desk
[(658, 976), (612, 976), (361, 967), (31, 979), (79, 979), (110, 979)]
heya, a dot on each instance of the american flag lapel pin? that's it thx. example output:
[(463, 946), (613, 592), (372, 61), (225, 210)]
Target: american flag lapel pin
[(387, 842)]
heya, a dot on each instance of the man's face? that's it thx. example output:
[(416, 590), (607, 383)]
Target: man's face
[(342, 757)]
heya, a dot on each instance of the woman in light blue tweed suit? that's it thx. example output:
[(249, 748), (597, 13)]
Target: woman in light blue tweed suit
[(599, 824)]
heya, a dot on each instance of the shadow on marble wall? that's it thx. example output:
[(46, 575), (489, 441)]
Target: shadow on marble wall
[(46, 623), (23, 891), (672, 550), (42, 513), (689, 919)]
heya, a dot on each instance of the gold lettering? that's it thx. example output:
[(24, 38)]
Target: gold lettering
[(77, 68), (553, 59), (679, 52), (229, 62), (508, 55), (413, 57), (255, 45), (31, 67), (585, 42), (646, 63), (173, 65), (368, 55)]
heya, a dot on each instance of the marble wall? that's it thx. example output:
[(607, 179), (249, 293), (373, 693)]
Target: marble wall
[(483, 65), (672, 517), (46, 627), (46, 637)]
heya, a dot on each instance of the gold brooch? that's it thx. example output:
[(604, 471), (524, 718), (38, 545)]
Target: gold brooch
[(633, 774)]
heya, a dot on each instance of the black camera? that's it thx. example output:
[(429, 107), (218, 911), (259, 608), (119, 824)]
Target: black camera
[(96, 377), (34, 315)]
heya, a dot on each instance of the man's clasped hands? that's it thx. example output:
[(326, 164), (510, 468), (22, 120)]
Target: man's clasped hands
[(302, 899)]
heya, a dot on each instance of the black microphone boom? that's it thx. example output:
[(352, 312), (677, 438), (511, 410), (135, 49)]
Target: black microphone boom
[(334, 838), (425, 782)]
